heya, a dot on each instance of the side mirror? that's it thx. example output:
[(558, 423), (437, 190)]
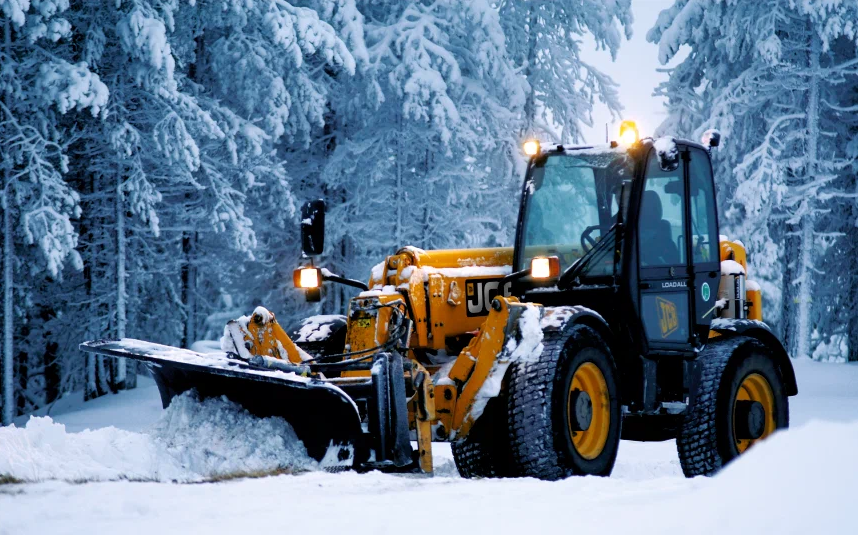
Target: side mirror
[(668, 154), (711, 138), (313, 227)]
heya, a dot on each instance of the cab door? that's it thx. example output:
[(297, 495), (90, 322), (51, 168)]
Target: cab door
[(705, 255), (666, 276)]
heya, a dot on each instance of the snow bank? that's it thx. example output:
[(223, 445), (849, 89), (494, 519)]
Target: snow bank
[(783, 485), (194, 440)]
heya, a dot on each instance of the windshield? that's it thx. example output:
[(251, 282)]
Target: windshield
[(572, 201)]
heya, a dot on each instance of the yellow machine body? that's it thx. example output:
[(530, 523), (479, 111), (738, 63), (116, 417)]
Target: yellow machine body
[(458, 337), (448, 296)]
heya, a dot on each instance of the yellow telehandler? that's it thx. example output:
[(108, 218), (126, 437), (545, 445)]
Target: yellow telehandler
[(620, 312)]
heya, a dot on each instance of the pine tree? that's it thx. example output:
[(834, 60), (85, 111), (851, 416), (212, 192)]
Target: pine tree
[(40, 84), (542, 38), (773, 76)]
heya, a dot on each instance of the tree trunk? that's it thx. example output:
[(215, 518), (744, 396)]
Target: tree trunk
[(22, 374), (189, 283), (805, 277), (50, 361), (852, 303), (400, 201), (530, 102), (120, 366), (92, 388), (788, 298), (134, 291), (805, 298), (8, 280)]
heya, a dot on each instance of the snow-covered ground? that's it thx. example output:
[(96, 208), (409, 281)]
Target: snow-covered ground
[(800, 481)]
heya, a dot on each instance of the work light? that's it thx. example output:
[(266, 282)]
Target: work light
[(531, 147), (629, 133), (307, 277)]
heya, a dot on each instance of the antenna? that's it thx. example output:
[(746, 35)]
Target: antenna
[(606, 132)]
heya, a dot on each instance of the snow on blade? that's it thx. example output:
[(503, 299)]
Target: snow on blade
[(193, 441)]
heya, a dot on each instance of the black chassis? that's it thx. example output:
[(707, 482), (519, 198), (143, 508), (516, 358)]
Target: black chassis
[(655, 382)]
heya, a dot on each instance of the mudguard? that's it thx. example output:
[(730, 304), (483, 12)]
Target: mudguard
[(762, 332), (562, 317), (321, 414)]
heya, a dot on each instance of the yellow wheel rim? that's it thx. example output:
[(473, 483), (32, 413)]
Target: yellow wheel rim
[(755, 387), (590, 443)]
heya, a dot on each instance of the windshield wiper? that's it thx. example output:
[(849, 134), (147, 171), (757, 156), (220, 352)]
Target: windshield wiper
[(608, 242)]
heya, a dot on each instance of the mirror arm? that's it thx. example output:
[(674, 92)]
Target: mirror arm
[(515, 276), (342, 280)]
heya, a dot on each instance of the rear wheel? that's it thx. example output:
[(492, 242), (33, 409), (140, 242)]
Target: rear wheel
[(564, 409), (740, 401)]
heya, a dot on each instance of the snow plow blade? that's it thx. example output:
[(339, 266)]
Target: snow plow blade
[(323, 416)]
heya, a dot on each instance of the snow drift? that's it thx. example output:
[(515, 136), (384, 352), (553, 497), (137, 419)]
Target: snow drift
[(193, 440)]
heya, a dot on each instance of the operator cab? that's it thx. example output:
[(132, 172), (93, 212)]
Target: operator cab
[(635, 232)]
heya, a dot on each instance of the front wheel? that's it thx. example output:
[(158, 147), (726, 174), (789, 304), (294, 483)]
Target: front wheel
[(740, 401), (564, 408), (484, 452)]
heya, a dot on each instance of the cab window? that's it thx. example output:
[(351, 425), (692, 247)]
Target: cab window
[(661, 225), (571, 202), (704, 232)]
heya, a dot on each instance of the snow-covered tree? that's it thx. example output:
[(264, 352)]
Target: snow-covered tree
[(543, 41), (162, 149), (40, 82), (422, 142), (777, 77)]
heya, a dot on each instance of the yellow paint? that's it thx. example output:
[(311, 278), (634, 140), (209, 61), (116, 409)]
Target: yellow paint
[(590, 443), (423, 416), (445, 404), (668, 320), (267, 338), (369, 328), (480, 356), (755, 387), (438, 302), (731, 250), (755, 298), (417, 292)]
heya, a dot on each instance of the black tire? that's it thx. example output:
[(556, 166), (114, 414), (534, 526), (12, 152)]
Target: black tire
[(707, 440), (541, 439), (320, 335), (484, 452)]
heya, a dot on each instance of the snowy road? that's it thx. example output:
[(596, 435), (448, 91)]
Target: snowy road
[(802, 481)]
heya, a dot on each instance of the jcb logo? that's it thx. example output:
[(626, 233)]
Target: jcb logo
[(667, 318), (480, 293)]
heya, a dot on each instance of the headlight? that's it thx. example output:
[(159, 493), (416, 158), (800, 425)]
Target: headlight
[(545, 267)]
